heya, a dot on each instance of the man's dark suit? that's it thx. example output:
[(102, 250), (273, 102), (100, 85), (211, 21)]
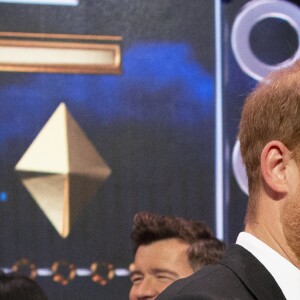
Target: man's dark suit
[(238, 276)]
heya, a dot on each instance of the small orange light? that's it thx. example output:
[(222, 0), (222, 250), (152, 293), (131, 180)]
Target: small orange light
[(25, 267), (102, 272), (63, 272)]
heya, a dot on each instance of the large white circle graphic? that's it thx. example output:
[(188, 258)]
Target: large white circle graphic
[(239, 169), (252, 13)]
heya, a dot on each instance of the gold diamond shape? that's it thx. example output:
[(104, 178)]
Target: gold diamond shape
[(62, 170)]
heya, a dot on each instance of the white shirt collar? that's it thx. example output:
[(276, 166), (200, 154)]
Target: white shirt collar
[(284, 272)]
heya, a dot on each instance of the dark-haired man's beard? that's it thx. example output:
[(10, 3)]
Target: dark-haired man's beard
[(291, 225)]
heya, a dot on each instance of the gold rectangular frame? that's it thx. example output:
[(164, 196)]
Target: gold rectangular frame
[(99, 54)]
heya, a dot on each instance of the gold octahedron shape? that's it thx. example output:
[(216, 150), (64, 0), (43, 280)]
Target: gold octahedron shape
[(62, 170)]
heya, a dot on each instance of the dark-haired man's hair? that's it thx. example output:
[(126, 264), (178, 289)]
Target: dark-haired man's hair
[(203, 249)]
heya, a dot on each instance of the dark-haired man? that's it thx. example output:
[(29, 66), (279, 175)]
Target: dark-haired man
[(168, 248)]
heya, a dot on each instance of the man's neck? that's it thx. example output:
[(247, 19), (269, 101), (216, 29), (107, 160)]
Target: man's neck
[(274, 238)]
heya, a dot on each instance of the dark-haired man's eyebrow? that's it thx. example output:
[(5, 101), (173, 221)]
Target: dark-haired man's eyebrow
[(166, 271), (134, 273)]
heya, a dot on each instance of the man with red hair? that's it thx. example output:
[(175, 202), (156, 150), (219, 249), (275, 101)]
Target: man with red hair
[(265, 262)]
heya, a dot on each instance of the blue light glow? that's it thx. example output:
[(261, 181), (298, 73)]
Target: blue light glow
[(3, 197), (159, 82)]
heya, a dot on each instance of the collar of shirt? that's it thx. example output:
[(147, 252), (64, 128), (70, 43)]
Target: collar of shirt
[(284, 272)]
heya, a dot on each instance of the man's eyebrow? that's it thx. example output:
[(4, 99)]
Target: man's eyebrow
[(161, 270), (135, 272)]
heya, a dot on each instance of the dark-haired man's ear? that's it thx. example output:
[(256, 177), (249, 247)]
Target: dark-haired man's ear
[(275, 161)]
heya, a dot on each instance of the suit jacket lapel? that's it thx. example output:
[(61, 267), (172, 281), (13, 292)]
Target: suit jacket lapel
[(252, 273)]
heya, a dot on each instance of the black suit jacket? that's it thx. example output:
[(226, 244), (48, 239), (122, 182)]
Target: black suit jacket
[(239, 276)]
